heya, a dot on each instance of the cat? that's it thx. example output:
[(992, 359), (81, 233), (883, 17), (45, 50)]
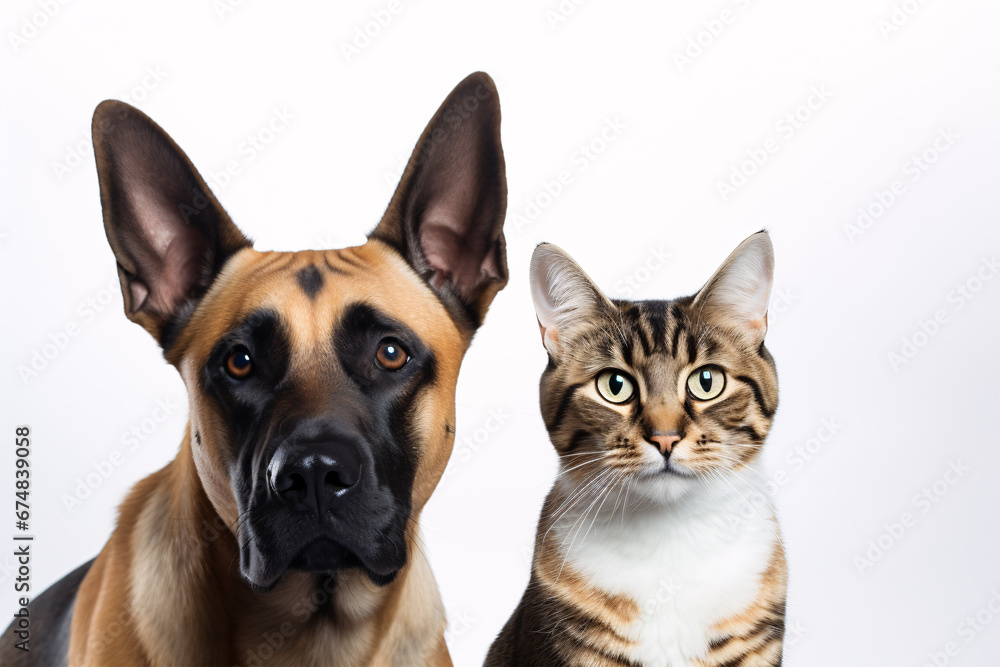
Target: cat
[(650, 549)]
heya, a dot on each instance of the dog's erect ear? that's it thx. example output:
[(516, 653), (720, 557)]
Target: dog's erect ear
[(169, 234), (446, 216)]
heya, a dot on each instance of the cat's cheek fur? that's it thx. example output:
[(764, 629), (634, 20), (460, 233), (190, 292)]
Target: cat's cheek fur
[(589, 390), (684, 459)]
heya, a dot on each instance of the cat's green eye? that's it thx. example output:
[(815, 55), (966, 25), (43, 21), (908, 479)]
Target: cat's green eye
[(615, 386), (706, 382)]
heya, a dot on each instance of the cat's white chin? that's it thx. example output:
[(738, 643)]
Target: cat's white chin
[(670, 484)]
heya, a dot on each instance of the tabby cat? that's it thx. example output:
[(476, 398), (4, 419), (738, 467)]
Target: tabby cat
[(655, 545)]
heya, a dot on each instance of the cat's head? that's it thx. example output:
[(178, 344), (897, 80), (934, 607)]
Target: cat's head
[(659, 395)]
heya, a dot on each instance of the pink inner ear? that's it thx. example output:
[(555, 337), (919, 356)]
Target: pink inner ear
[(138, 292), (181, 267), (170, 256), (453, 254), (444, 250), (553, 333)]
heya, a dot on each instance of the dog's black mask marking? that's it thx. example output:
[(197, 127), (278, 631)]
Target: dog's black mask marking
[(346, 403)]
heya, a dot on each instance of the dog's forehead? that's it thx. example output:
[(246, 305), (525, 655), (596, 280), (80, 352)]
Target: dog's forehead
[(310, 290)]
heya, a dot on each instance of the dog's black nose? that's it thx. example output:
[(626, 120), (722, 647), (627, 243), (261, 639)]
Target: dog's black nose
[(313, 478)]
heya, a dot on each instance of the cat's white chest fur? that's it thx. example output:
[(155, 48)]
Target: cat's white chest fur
[(688, 565)]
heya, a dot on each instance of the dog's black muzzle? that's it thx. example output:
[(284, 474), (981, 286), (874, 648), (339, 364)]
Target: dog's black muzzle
[(321, 504), (315, 476)]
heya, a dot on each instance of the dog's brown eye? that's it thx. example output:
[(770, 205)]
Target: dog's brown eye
[(391, 356), (239, 365)]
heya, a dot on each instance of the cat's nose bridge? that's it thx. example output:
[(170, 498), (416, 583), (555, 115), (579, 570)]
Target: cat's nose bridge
[(664, 417)]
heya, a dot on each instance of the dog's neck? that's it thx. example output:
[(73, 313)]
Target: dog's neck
[(191, 564)]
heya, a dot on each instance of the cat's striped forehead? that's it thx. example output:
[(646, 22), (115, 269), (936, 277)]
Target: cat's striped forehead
[(657, 335), (657, 327)]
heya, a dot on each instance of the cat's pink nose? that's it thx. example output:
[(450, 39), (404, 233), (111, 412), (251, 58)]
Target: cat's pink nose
[(665, 442)]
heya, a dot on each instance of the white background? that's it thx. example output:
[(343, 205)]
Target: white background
[(844, 301)]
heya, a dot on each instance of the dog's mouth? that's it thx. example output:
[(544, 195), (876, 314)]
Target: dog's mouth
[(266, 555), (326, 556), (322, 555)]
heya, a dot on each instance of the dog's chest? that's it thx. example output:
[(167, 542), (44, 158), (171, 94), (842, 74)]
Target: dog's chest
[(686, 574)]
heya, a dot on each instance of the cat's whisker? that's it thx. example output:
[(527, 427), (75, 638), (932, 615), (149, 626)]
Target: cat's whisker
[(612, 486), (723, 479), (740, 464), (625, 477), (572, 454), (580, 465), (602, 496), (574, 498), (602, 493), (582, 487), (579, 496), (598, 485), (596, 489), (631, 485), (562, 546), (568, 503)]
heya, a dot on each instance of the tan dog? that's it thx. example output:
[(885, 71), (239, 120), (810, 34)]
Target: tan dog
[(322, 413)]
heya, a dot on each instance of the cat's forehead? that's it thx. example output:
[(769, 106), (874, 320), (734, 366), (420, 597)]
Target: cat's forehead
[(660, 337), (659, 329)]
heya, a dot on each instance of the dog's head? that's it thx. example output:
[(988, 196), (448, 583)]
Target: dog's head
[(321, 383)]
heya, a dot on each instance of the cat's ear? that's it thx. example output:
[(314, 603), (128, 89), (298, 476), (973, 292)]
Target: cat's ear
[(736, 296), (564, 296)]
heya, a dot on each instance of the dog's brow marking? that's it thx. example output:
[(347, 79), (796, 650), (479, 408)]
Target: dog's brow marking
[(330, 258), (310, 280), (333, 269), (267, 264), (270, 262), (351, 259)]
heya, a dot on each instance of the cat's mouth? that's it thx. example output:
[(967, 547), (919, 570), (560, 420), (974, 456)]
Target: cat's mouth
[(667, 483), (670, 469)]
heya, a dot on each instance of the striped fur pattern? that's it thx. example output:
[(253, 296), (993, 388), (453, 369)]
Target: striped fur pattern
[(649, 550)]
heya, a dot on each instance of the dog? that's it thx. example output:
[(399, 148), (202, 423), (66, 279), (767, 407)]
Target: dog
[(321, 386)]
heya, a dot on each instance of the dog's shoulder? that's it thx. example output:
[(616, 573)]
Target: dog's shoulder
[(50, 616)]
